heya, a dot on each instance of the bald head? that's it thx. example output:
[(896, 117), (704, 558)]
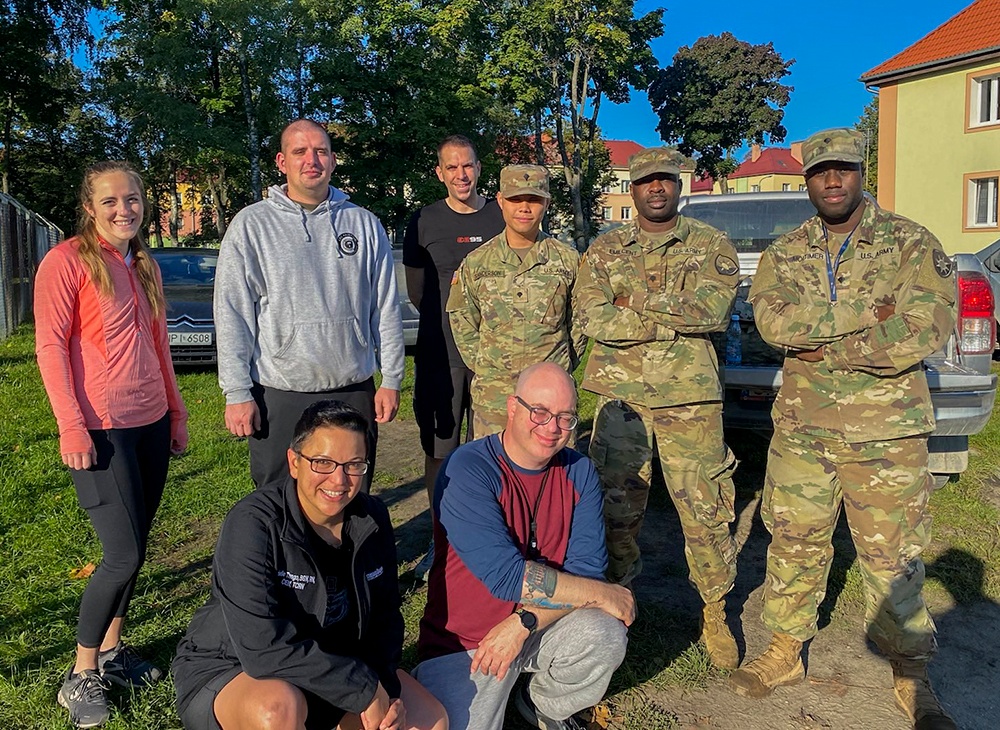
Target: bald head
[(545, 392), (548, 376), (302, 125)]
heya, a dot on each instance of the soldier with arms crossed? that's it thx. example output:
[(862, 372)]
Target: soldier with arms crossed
[(856, 297), (648, 293)]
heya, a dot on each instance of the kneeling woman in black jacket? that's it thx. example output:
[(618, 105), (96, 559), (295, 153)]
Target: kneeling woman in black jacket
[(303, 627)]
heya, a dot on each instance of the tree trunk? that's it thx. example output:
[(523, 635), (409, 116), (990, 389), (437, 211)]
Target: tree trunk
[(253, 136), (175, 206), (7, 156)]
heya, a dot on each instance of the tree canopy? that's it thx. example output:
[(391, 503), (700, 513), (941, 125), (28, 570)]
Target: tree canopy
[(719, 94)]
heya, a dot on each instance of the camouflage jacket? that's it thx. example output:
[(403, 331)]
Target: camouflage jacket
[(656, 351), (870, 384), (507, 314)]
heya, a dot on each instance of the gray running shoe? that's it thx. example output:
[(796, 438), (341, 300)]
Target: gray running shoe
[(123, 666), (85, 695), (423, 568)]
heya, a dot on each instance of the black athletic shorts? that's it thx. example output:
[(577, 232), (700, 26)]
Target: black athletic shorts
[(440, 399)]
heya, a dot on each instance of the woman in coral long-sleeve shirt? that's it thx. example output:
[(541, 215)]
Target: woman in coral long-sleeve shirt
[(102, 347)]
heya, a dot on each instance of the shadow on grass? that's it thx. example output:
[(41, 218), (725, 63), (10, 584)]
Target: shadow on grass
[(966, 669)]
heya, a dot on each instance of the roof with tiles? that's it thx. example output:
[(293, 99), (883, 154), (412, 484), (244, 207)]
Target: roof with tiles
[(772, 161), (621, 150), (973, 32)]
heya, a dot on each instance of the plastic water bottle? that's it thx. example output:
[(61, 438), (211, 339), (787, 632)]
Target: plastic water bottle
[(734, 342)]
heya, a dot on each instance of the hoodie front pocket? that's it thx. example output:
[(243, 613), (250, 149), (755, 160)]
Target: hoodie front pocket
[(331, 346)]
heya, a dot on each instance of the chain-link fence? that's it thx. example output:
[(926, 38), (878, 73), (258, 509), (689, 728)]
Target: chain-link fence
[(24, 238)]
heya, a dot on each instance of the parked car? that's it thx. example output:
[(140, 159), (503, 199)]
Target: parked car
[(962, 387), (990, 257), (409, 313), (188, 285)]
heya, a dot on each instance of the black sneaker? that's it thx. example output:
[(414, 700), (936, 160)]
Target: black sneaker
[(123, 666), (531, 715), (85, 695)]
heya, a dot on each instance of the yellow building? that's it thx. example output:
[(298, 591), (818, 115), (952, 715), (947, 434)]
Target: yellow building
[(768, 170), (939, 129)]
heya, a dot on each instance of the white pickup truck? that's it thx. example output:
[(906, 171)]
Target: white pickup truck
[(962, 386)]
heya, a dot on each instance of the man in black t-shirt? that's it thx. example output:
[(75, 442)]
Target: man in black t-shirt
[(438, 237)]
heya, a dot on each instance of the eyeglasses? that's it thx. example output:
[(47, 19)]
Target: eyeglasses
[(322, 465), (541, 416)]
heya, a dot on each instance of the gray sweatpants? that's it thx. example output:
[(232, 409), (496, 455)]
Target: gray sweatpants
[(571, 662)]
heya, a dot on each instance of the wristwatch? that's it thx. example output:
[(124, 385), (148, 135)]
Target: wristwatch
[(528, 619)]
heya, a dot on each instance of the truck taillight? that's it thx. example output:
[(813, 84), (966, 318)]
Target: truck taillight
[(977, 332)]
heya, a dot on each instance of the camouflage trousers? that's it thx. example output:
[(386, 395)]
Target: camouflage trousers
[(486, 422), (883, 486), (698, 469)]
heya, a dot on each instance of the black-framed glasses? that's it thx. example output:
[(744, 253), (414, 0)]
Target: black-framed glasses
[(541, 416), (323, 465)]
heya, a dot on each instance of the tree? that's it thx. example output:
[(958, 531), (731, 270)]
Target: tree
[(868, 126), (557, 60), (718, 95), (35, 37)]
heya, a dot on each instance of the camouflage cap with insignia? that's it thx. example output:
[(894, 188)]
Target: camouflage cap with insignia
[(841, 144), (653, 160), (524, 180)]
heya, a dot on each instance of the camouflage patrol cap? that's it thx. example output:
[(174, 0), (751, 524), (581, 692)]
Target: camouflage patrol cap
[(841, 144), (524, 180), (653, 160)]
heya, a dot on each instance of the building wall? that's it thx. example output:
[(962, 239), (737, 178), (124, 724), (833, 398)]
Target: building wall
[(934, 154), (767, 183)]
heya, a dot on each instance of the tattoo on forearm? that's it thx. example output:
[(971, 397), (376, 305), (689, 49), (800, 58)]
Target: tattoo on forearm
[(540, 581)]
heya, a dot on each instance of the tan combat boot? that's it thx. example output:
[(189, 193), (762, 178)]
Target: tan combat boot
[(780, 665), (718, 638), (915, 697)]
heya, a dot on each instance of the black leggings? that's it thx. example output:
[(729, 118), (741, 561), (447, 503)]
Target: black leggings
[(121, 493)]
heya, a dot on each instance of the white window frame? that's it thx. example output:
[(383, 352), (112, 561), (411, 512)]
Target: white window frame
[(626, 212), (981, 201), (786, 187), (626, 186), (984, 100), (755, 188), (607, 212)]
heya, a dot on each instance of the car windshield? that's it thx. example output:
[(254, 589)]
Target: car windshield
[(752, 227), (187, 268)]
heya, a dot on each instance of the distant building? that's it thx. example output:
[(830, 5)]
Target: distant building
[(765, 170), (939, 129)]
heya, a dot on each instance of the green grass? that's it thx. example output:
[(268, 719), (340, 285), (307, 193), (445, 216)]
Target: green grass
[(44, 535)]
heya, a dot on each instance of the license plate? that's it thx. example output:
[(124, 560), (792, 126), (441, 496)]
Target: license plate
[(190, 338), (754, 395)]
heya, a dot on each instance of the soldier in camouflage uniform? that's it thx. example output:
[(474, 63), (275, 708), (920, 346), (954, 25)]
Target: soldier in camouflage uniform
[(648, 294), (856, 298), (510, 299)]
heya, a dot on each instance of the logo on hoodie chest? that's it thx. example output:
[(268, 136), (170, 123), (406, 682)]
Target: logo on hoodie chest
[(347, 244)]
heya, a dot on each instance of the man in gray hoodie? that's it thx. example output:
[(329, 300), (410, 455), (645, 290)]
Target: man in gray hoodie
[(306, 307)]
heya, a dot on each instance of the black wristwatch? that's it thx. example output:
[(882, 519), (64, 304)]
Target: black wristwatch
[(528, 620)]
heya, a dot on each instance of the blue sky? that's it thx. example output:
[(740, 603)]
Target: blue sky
[(833, 43)]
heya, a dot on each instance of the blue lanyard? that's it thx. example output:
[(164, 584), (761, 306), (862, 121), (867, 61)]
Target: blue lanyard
[(832, 267)]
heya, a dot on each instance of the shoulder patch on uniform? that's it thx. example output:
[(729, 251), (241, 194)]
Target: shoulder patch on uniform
[(726, 266), (454, 278), (942, 264)]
